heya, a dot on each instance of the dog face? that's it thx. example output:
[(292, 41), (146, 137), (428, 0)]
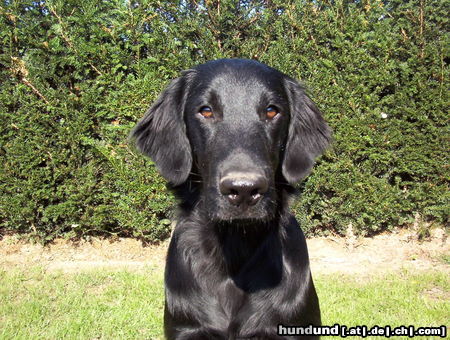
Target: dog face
[(238, 127)]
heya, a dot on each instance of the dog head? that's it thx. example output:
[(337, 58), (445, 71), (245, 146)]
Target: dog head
[(241, 128)]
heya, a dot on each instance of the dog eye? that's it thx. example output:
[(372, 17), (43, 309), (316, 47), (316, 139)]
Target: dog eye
[(272, 112), (206, 112)]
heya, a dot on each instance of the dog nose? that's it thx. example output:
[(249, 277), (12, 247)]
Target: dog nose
[(243, 189)]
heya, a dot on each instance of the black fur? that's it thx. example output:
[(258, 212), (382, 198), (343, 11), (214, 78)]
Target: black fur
[(235, 271)]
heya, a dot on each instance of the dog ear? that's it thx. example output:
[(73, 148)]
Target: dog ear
[(161, 133), (308, 134)]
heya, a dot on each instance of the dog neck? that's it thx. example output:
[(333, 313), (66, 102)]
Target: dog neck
[(249, 247)]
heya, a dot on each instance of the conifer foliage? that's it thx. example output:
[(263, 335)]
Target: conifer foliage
[(76, 75)]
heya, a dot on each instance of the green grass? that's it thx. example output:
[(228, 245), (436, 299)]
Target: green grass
[(401, 299), (91, 305), (101, 304)]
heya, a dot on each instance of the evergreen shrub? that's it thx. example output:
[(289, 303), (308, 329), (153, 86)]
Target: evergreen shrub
[(76, 76)]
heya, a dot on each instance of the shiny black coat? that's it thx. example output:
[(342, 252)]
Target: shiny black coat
[(232, 136)]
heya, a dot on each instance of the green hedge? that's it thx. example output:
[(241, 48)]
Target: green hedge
[(76, 76)]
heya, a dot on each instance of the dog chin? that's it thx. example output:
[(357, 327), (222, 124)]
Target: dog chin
[(228, 213)]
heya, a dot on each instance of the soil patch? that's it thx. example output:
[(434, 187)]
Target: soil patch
[(350, 255)]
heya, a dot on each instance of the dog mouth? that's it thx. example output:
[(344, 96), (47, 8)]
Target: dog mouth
[(244, 212)]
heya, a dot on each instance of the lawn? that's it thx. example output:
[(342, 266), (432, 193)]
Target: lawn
[(105, 304)]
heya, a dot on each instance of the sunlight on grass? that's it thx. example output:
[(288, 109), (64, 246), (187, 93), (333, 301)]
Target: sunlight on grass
[(91, 305), (398, 299), (129, 305)]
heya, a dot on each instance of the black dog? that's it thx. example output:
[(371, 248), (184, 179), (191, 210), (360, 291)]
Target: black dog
[(232, 136)]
